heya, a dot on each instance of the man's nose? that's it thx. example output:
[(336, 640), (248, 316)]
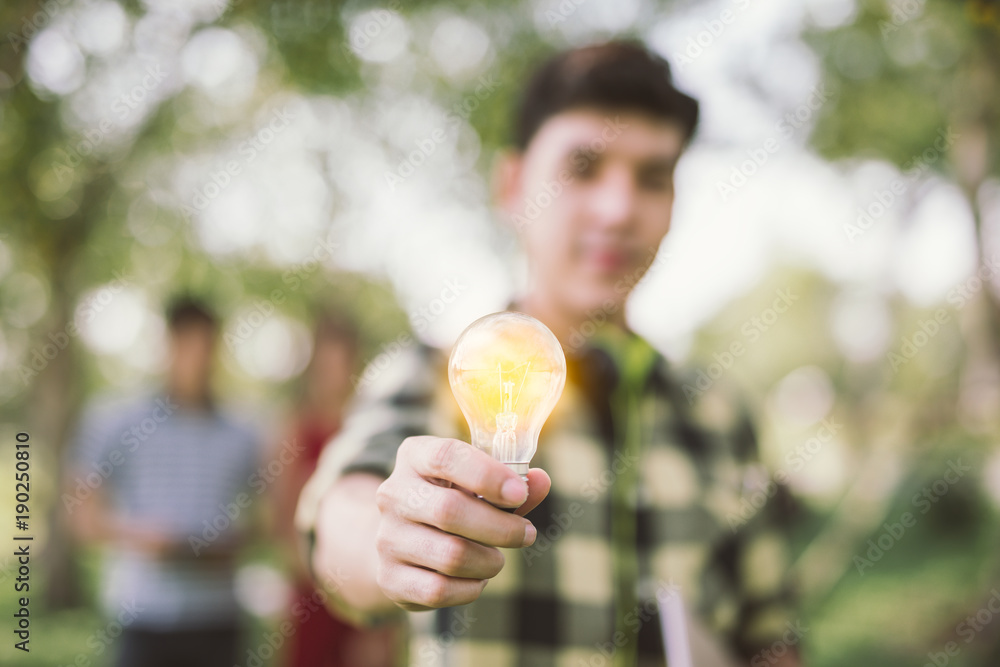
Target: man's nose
[(613, 202)]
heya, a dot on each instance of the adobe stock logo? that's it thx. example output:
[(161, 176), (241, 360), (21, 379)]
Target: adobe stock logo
[(892, 533), (427, 145), (757, 157), (88, 309), (912, 170), (967, 630), (421, 318), (222, 175), (753, 329), (74, 154), (713, 29)]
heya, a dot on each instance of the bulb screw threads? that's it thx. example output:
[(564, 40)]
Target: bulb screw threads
[(520, 468)]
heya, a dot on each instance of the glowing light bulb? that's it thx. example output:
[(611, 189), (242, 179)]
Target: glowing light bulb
[(507, 371)]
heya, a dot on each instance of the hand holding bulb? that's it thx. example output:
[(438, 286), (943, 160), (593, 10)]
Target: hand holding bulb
[(437, 541)]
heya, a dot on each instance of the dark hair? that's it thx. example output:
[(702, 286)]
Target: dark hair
[(614, 75), (185, 310)]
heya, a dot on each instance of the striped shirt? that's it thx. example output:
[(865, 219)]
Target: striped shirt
[(645, 489), (180, 471)]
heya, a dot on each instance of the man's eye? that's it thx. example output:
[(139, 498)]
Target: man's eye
[(656, 182), (584, 165)]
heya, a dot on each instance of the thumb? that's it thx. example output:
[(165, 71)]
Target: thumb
[(538, 487)]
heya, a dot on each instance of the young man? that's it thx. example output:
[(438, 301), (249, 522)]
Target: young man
[(158, 482), (642, 483)]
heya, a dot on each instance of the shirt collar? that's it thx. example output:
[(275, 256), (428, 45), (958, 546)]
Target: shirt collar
[(632, 357)]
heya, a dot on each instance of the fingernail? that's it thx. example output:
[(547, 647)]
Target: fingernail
[(529, 535), (514, 491)]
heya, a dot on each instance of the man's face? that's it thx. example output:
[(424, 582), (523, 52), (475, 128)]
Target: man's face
[(592, 197), (192, 348)]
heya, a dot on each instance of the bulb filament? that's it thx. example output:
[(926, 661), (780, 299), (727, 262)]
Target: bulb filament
[(505, 440)]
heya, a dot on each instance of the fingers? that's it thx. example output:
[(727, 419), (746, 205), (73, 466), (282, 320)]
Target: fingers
[(454, 511), (538, 487), (416, 589), (437, 538), (420, 545), (462, 464)]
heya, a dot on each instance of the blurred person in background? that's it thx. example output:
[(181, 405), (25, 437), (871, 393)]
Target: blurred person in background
[(645, 475), (320, 639), (168, 474)]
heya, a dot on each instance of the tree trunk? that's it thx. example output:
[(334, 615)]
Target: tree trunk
[(54, 406)]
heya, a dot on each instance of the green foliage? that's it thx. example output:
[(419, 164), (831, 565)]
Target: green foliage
[(902, 72)]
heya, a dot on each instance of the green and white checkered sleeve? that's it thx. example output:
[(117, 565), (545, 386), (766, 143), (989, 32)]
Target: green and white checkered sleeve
[(393, 403)]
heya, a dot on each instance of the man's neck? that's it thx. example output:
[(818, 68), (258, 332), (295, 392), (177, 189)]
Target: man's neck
[(191, 400), (561, 320)]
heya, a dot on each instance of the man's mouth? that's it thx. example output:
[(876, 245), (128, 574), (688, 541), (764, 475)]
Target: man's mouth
[(609, 260)]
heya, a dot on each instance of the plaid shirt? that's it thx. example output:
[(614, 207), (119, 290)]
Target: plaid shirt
[(646, 498)]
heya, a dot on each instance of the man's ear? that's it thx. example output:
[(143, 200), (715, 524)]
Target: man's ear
[(507, 189)]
